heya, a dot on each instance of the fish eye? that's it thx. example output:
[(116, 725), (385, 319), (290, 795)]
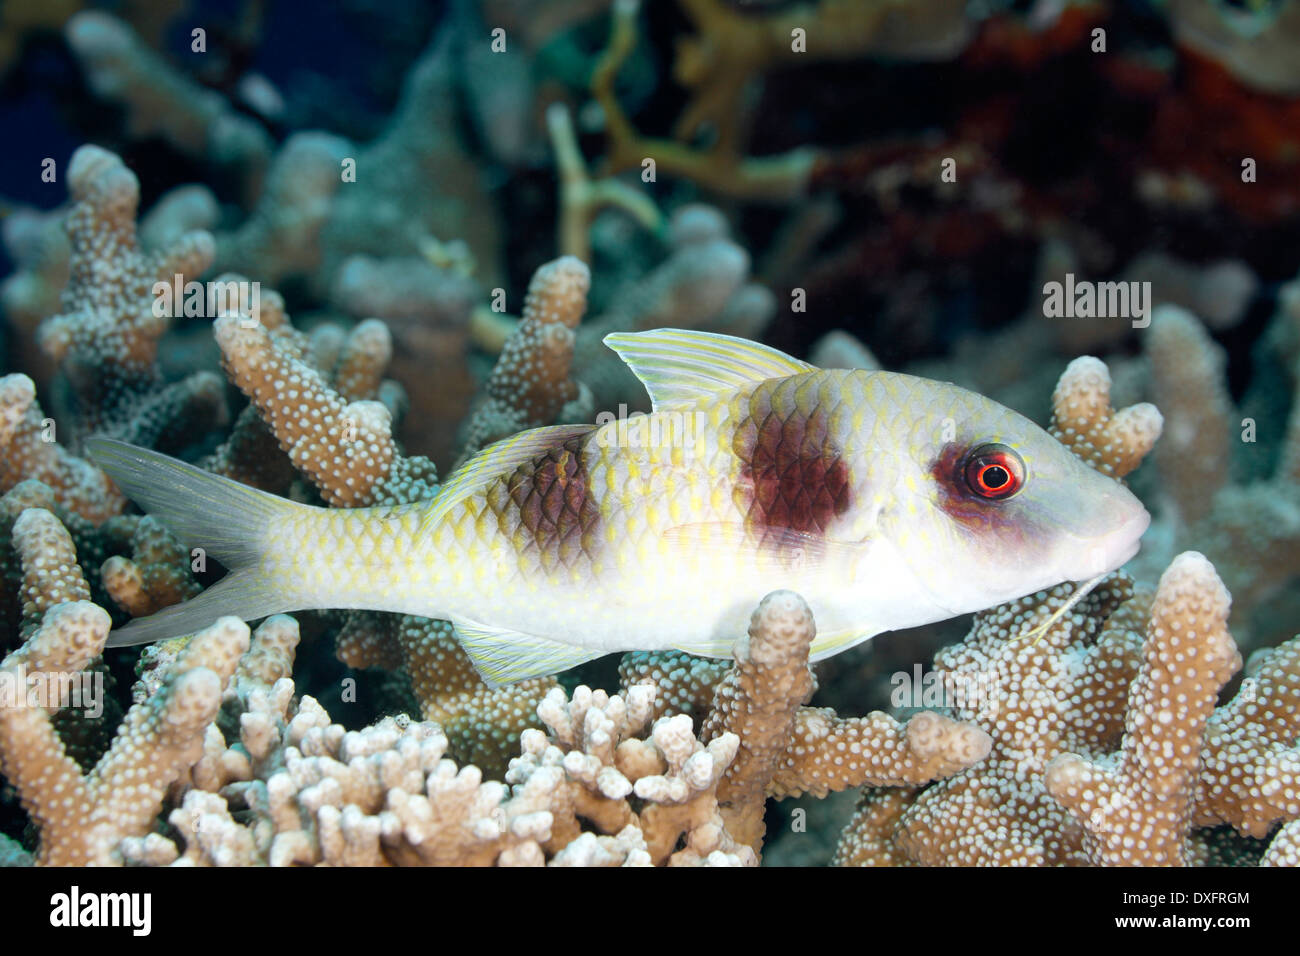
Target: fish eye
[(994, 472)]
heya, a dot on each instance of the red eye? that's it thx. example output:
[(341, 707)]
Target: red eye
[(994, 471)]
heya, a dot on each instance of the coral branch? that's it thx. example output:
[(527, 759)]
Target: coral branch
[(1136, 810)]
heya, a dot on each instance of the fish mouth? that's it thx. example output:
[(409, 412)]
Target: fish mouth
[(1111, 550)]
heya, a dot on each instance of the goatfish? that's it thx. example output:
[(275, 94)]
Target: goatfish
[(885, 500)]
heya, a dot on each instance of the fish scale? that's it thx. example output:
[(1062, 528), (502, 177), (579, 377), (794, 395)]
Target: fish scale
[(754, 472)]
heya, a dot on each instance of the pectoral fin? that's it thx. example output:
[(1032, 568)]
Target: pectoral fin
[(828, 645)]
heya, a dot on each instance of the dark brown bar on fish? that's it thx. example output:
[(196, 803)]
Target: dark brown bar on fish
[(792, 475), (546, 504)]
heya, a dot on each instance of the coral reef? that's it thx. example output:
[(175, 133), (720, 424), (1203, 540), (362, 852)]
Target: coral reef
[(105, 340), (456, 205)]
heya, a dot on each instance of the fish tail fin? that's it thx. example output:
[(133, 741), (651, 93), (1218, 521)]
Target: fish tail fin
[(229, 521)]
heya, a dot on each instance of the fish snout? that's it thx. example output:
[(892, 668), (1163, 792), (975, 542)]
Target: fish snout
[(1126, 520), (1121, 521)]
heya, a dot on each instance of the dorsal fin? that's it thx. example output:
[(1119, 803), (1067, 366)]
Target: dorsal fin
[(679, 366), (498, 458)]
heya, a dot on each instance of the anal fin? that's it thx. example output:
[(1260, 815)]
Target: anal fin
[(503, 656)]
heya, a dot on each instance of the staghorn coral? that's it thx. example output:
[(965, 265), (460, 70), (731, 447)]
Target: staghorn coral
[(1113, 442), (1135, 808), (1250, 528), (161, 101), (1187, 384), (29, 453), (723, 62), (105, 341), (83, 819), (1250, 765), (531, 383), (787, 749), (246, 773), (49, 580), (281, 236), (296, 788), (259, 792), (427, 307), (345, 448), (347, 451), (1285, 848), (275, 782), (1101, 752), (157, 575), (1022, 694), (37, 244), (482, 723)]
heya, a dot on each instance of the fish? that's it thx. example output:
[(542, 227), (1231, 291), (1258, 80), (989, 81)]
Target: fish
[(886, 500)]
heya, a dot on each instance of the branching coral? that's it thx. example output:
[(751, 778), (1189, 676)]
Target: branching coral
[(1250, 766), (1113, 442), (267, 778), (83, 817), (1136, 808), (281, 237), (1101, 742), (106, 339), (162, 101), (155, 576), (1251, 531), (345, 448), (606, 786), (531, 383), (787, 749), (29, 452), (728, 56)]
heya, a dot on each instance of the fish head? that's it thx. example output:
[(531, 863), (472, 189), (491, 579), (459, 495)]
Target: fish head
[(992, 507)]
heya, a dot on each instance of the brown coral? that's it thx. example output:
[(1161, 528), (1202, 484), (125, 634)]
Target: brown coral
[(83, 819), (28, 440), (1113, 442), (106, 339), (531, 382), (1136, 808)]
